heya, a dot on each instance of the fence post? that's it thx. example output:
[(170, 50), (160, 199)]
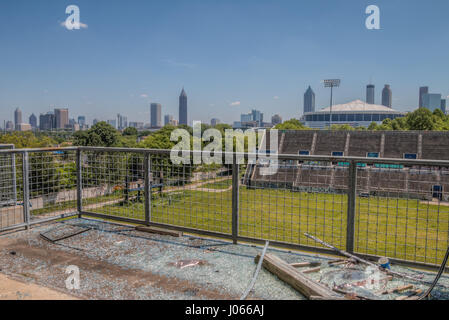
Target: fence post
[(235, 199), (26, 189), (147, 188), (352, 195), (79, 183), (14, 176)]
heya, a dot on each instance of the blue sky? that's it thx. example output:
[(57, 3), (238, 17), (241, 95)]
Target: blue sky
[(229, 55)]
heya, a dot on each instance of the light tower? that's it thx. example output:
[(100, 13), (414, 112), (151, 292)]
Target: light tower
[(331, 83)]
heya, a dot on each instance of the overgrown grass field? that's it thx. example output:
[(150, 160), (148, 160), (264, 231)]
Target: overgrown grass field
[(397, 228)]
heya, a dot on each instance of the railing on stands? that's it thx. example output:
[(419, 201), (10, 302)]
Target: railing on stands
[(368, 206)]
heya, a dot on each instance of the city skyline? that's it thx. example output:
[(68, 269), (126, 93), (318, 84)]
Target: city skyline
[(88, 72)]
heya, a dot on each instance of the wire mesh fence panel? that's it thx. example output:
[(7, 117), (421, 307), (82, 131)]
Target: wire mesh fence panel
[(113, 183), (191, 195), (297, 198), (52, 184), (11, 190), (403, 212)]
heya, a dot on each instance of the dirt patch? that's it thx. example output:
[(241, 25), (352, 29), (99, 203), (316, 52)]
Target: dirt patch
[(11, 289)]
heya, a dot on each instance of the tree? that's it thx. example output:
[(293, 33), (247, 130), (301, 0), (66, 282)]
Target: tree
[(130, 131), (292, 124), (420, 119), (99, 135)]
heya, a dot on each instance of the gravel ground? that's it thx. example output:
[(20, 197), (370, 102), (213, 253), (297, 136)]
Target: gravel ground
[(118, 262)]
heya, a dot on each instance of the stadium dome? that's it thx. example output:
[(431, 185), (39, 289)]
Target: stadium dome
[(355, 113)]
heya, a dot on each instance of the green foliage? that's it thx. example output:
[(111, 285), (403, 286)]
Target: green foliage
[(421, 119), (99, 135), (292, 124), (130, 131), (26, 140)]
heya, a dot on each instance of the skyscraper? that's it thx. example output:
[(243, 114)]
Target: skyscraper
[(431, 101), (33, 121), (214, 122), (17, 117), (309, 100), (183, 107), (47, 121), (387, 96), (82, 120), (422, 91), (122, 122), (61, 118), (276, 119), (156, 111), (443, 105), (370, 94), (168, 118)]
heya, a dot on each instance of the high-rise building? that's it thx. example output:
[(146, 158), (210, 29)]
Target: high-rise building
[(17, 117), (156, 110), (9, 126), (309, 100), (422, 91), (61, 118), (167, 119), (122, 122), (370, 94), (95, 121), (47, 121), (431, 101), (443, 105), (387, 96), (276, 119), (214, 122), (33, 121), (112, 123), (183, 107), (82, 121)]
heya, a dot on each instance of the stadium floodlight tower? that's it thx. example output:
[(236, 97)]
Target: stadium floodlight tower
[(331, 83)]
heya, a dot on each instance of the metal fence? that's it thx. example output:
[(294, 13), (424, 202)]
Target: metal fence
[(368, 206)]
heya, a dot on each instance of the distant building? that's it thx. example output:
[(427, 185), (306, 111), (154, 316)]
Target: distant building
[(137, 125), (387, 98), (23, 127), (82, 121), (33, 121), (122, 122), (112, 123), (9, 126), (255, 116), (443, 105), (355, 113), (95, 121), (431, 101), (61, 118), (309, 100), (17, 117), (276, 119), (156, 111), (47, 121), (214, 122), (422, 91), (370, 94), (183, 107), (167, 119)]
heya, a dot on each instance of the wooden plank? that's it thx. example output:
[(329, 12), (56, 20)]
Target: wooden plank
[(326, 298), (305, 264), (161, 231), (399, 289), (311, 270), (295, 278)]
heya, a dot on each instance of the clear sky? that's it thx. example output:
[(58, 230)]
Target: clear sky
[(230, 55)]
